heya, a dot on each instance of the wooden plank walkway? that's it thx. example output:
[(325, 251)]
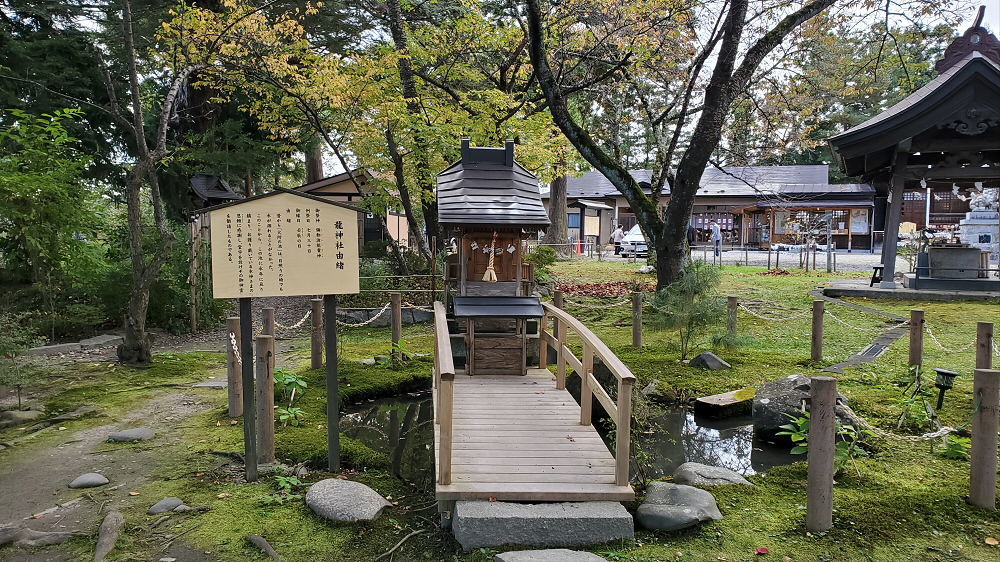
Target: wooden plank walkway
[(518, 438)]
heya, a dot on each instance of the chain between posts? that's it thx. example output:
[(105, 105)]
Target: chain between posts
[(943, 348), (866, 330), (773, 319), (366, 322), (597, 307)]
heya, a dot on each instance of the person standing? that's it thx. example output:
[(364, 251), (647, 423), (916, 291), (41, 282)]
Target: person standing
[(716, 237), (617, 236)]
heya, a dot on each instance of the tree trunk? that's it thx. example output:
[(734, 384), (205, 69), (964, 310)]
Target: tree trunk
[(555, 234), (136, 348), (403, 189), (314, 161)]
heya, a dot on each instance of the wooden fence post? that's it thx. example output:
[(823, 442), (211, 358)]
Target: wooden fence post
[(637, 319), (817, 331), (543, 346), (822, 444), (586, 392), (446, 402), (777, 258), (732, 303), (746, 256), (623, 439), (984, 345), (265, 400), (397, 324), (769, 258), (557, 301), (316, 343), (916, 338), (983, 480), (234, 375)]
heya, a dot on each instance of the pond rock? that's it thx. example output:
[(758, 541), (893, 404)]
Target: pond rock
[(165, 505), (646, 269), (89, 480), (134, 434), (710, 361), (669, 507), (345, 500), (786, 395), (697, 474), (548, 555)]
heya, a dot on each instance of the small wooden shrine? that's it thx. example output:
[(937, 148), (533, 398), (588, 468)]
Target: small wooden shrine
[(489, 204)]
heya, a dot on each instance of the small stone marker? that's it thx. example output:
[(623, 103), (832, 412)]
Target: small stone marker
[(89, 480), (165, 505), (134, 434), (726, 405), (697, 474), (345, 500), (670, 507), (710, 361), (548, 555)]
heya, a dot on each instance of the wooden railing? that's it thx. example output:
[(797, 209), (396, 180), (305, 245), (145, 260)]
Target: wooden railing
[(444, 392), (620, 410)]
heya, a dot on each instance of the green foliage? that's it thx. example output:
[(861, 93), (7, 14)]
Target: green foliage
[(286, 490), (286, 381), (16, 370), (542, 257), (291, 416), (955, 448), (847, 448), (691, 305)]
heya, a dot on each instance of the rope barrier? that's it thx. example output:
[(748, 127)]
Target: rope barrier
[(235, 348), (943, 348), (864, 330), (774, 319), (366, 322), (296, 325), (420, 308), (596, 307)]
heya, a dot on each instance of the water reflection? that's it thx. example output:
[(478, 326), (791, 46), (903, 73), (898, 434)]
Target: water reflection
[(402, 428), (676, 436)]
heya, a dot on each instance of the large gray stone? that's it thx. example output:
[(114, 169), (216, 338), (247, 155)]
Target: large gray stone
[(697, 474), (345, 500), (134, 434), (56, 349), (548, 555), (103, 340), (11, 418), (478, 524), (165, 505), (89, 480), (710, 361), (670, 507), (777, 400)]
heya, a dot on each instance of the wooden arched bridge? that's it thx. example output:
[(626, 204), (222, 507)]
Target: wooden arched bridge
[(525, 438)]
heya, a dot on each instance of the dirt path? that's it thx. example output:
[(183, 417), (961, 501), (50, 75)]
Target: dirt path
[(35, 485)]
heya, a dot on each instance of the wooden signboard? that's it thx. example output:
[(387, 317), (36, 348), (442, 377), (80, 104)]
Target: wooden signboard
[(284, 244)]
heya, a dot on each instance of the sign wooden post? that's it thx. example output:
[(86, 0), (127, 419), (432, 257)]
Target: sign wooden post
[(280, 244), (822, 444)]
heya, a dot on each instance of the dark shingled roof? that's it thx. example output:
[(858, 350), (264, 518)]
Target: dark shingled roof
[(488, 187)]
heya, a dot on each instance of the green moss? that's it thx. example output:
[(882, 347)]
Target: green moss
[(745, 394)]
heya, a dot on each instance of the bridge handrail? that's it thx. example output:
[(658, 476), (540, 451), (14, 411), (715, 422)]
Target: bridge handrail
[(620, 410), (444, 389)]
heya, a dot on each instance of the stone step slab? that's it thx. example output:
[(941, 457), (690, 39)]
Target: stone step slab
[(726, 405), (479, 524), (548, 555)]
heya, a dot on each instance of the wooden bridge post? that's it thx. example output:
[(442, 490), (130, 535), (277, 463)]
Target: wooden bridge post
[(543, 346), (817, 331), (557, 300), (623, 426), (984, 345), (396, 299), (446, 403), (916, 338), (434, 271), (586, 392), (265, 399), (316, 343), (637, 319), (822, 443), (233, 373), (983, 480), (732, 303)]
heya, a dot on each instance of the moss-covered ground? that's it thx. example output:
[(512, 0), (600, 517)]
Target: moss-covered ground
[(902, 502)]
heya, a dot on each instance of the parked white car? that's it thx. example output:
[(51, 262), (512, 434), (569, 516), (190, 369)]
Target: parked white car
[(634, 243)]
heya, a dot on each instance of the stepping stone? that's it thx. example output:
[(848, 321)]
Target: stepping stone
[(56, 349), (134, 434), (217, 384), (479, 524), (165, 505), (670, 507), (697, 474), (548, 555), (344, 500), (710, 361), (726, 405), (88, 480), (102, 340)]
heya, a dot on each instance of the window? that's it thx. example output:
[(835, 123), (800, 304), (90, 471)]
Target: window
[(573, 220)]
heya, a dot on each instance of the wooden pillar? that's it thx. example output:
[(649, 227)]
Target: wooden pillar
[(586, 391), (984, 345), (396, 300), (769, 258), (267, 319), (543, 346), (329, 311), (560, 355), (732, 304), (777, 258), (817, 331), (233, 375), (446, 403), (822, 444), (983, 480), (316, 343), (916, 338), (265, 400), (637, 319), (434, 271), (893, 215), (623, 439), (249, 398)]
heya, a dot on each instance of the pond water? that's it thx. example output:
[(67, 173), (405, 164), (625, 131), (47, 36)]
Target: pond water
[(402, 427)]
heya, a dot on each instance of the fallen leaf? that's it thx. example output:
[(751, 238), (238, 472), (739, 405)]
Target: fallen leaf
[(218, 423), (233, 422), (492, 499), (223, 496), (786, 559), (762, 551), (133, 493), (991, 541), (37, 516)]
